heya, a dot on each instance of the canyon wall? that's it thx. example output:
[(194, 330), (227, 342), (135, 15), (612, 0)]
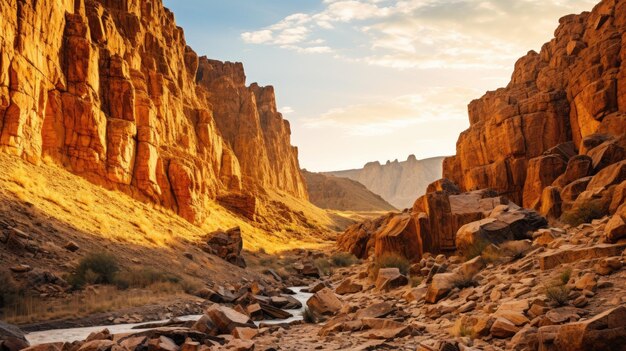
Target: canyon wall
[(558, 100), (109, 90), (399, 183)]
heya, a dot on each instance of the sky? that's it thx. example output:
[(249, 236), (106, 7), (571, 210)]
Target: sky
[(373, 80)]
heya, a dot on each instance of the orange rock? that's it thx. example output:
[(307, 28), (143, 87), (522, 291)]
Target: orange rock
[(572, 89), (111, 91)]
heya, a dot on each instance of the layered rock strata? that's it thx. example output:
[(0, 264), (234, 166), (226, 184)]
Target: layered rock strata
[(563, 101), (110, 91)]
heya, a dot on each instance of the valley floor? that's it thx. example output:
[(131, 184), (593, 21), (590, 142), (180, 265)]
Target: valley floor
[(51, 219)]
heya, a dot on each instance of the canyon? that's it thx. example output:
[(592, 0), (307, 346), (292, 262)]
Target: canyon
[(141, 177)]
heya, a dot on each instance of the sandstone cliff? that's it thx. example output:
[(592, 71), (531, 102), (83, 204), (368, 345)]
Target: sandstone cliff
[(110, 90), (336, 193), (400, 183), (564, 100)]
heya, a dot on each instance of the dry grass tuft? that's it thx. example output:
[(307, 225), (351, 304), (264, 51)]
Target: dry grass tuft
[(30, 309)]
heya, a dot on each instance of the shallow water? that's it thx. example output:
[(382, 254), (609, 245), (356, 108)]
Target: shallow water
[(74, 334)]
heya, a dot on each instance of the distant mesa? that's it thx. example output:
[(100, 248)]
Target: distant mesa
[(399, 183)]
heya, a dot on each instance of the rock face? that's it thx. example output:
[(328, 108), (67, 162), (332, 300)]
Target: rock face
[(440, 222), (399, 183), (227, 245), (568, 99), (337, 193), (110, 91)]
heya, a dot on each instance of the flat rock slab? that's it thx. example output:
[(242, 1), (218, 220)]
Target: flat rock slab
[(552, 259)]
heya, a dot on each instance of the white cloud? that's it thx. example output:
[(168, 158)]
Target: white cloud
[(258, 37), (386, 116), (285, 110), (422, 33)]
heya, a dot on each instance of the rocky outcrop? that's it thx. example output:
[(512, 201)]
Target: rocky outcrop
[(399, 183), (110, 91), (441, 221), (227, 245), (337, 193), (568, 99)]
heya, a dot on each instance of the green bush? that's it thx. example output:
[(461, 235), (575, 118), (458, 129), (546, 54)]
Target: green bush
[(343, 259), (8, 289), (584, 213), (565, 275), (390, 260), (95, 268)]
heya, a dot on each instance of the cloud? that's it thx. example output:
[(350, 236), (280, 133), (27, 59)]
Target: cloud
[(406, 34), (386, 116), (285, 110)]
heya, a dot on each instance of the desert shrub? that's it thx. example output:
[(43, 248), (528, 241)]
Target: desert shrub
[(565, 275), (191, 287), (390, 260), (323, 265), (8, 289), (144, 277), (558, 294), (307, 316), (95, 268), (584, 213), (343, 259)]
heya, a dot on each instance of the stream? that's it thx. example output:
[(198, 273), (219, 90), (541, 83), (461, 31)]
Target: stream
[(75, 334)]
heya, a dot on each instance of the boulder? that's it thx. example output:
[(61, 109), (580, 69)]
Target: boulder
[(54, 346), (227, 245), (619, 197), (615, 229), (440, 286), (97, 345), (604, 332), (12, 338), (611, 175), (271, 312), (571, 191), (255, 312), (578, 167), (347, 286), (503, 328), (553, 258), (377, 310), (387, 329), (307, 269), (500, 226), (400, 236), (550, 202), (390, 278), (226, 319), (606, 154), (324, 303), (542, 171)]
